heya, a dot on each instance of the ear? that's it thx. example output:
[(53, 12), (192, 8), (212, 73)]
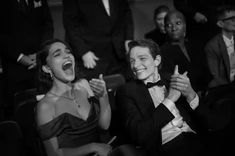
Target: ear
[(157, 60), (220, 23), (46, 69)]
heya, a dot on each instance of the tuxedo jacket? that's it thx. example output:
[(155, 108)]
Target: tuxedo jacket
[(26, 31), (89, 28), (218, 61), (142, 121), (196, 67)]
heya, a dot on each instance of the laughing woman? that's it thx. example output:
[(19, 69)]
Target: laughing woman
[(68, 118)]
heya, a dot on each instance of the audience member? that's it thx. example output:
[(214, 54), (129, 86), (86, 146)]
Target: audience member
[(158, 119), (72, 112), (186, 53), (158, 35), (29, 24), (98, 33), (200, 17), (220, 49)]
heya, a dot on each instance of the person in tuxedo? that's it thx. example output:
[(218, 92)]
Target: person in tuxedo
[(29, 23), (220, 49), (185, 52), (158, 116), (98, 31), (158, 35)]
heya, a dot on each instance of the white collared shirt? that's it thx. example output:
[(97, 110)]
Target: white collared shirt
[(25, 1), (231, 53), (106, 6), (177, 125)]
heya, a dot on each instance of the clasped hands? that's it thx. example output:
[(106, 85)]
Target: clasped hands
[(180, 85)]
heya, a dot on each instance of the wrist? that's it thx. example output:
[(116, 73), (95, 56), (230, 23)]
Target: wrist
[(191, 96)]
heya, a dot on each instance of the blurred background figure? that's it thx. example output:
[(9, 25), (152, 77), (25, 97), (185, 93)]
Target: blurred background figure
[(158, 35), (200, 17), (29, 23), (220, 49), (99, 37), (186, 53)]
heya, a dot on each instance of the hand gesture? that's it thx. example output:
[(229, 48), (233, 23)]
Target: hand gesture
[(28, 62), (98, 86), (173, 93), (200, 18), (89, 60), (182, 84), (102, 149)]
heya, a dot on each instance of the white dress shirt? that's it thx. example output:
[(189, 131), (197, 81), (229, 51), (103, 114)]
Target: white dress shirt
[(231, 53), (106, 6), (177, 125)]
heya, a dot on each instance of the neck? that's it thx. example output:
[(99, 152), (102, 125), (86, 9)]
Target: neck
[(61, 88), (153, 78), (228, 34)]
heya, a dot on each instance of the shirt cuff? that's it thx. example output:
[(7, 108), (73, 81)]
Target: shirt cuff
[(194, 103), (20, 56), (171, 107)]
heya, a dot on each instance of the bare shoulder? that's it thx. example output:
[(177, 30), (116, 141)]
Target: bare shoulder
[(44, 111), (83, 84)]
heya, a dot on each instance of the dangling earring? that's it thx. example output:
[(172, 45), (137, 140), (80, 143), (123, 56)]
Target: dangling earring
[(51, 75)]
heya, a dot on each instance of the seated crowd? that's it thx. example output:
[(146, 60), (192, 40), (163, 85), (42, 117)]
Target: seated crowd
[(179, 100)]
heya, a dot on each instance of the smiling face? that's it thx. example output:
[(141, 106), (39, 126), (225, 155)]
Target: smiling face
[(175, 26), (143, 65), (60, 62)]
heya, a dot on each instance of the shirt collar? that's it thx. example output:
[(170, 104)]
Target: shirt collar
[(228, 42)]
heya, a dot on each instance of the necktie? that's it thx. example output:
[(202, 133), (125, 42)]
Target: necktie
[(159, 83), (23, 6)]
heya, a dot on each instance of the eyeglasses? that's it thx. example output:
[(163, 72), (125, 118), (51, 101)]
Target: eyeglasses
[(232, 18)]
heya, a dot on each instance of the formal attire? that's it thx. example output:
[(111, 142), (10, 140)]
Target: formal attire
[(157, 36), (102, 31), (155, 123), (29, 25), (220, 58), (191, 60)]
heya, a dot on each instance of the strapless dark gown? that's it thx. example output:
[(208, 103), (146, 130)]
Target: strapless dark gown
[(72, 131)]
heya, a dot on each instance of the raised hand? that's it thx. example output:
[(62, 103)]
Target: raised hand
[(89, 60), (173, 93), (182, 83), (98, 86)]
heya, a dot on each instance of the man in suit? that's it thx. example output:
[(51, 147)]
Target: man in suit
[(220, 49), (29, 24), (98, 31), (186, 53), (157, 119)]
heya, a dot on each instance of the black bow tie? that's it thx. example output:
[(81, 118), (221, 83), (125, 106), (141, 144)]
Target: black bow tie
[(159, 83)]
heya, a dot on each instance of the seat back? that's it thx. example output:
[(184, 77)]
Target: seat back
[(11, 139)]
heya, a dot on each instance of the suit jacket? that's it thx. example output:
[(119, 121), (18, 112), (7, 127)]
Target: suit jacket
[(218, 61), (196, 67), (89, 27), (142, 121), (27, 30)]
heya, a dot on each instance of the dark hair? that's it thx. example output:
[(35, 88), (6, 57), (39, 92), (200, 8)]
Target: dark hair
[(222, 10), (44, 80), (160, 9), (146, 43)]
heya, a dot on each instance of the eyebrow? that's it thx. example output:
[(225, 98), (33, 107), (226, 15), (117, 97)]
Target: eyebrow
[(228, 18)]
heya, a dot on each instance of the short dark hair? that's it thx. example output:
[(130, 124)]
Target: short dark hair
[(160, 9), (222, 10), (148, 43), (170, 13)]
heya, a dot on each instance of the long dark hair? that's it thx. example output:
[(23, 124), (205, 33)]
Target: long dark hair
[(44, 80)]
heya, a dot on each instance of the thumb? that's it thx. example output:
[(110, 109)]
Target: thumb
[(101, 77), (176, 70), (185, 73)]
